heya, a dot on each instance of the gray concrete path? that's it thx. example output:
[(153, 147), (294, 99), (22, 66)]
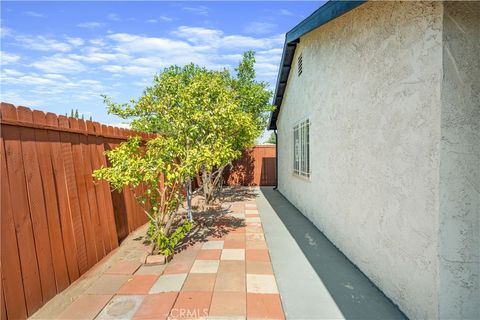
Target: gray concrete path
[(315, 280)]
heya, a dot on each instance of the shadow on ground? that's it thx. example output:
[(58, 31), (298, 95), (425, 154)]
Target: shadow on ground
[(217, 221), (353, 293)]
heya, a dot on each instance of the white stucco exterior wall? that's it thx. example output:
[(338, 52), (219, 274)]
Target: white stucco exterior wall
[(459, 243), (371, 87)]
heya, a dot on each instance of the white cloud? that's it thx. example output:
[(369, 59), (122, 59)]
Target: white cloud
[(8, 58), (286, 12), (4, 31), (12, 73), (75, 41), (260, 27), (58, 64), (34, 14), (162, 18), (134, 43), (41, 43), (200, 10), (166, 18), (97, 42), (198, 35), (119, 125), (143, 56), (216, 38), (99, 57), (113, 17), (91, 25)]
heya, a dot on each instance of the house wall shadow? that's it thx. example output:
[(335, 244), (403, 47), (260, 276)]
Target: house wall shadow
[(355, 295)]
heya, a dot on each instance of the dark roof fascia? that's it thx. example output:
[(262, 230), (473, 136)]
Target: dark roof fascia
[(327, 12)]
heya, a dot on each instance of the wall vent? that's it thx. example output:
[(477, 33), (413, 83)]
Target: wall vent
[(300, 64)]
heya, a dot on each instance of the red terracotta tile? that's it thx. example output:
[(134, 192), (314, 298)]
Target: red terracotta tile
[(230, 282), (191, 305), (85, 307), (211, 254), (235, 236), (228, 304), (257, 255), (139, 284), (156, 306), (124, 267), (238, 230), (259, 267), (181, 263), (155, 259), (256, 244), (216, 237), (199, 282), (252, 215), (266, 306), (234, 244)]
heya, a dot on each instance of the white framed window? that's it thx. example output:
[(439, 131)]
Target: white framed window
[(301, 149)]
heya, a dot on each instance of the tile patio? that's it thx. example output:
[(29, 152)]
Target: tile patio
[(225, 275)]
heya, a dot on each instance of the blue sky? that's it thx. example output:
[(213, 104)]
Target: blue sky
[(56, 56)]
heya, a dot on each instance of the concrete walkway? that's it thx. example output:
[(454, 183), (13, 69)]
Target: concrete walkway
[(315, 280)]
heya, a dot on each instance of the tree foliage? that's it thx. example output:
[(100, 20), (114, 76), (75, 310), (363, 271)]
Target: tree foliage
[(206, 119), (152, 172)]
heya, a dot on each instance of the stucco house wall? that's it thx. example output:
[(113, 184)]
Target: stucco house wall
[(459, 243), (371, 87)]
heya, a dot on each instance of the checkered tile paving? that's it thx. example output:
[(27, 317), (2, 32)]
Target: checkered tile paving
[(228, 276)]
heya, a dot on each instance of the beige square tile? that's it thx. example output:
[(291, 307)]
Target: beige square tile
[(253, 219), (205, 266), (251, 211), (261, 283), (256, 244), (169, 282), (233, 254), (213, 245), (255, 236)]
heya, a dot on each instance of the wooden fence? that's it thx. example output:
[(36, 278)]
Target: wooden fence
[(256, 167), (56, 221)]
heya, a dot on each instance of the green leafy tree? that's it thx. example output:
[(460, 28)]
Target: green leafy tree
[(253, 98), (155, 177), (200, 109)]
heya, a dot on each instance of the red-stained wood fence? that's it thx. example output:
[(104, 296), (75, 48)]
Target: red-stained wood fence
[(256, 167), (56, 221)]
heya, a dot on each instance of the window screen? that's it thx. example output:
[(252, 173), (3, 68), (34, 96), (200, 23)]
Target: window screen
[(301, 149)]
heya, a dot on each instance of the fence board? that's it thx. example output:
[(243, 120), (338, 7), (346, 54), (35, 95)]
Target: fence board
[(91, 197), (99, 194), (37, 205), (50, 192), (23, 222), (11, 270), (105, 187), (62, 222), (73, 195), (63, 198), (256, 167)]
